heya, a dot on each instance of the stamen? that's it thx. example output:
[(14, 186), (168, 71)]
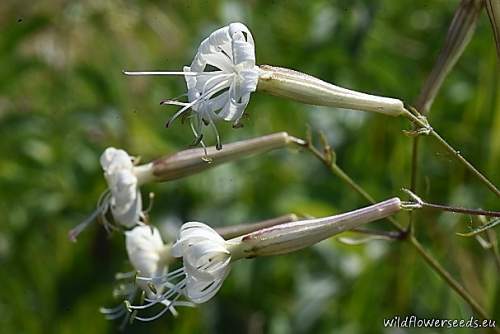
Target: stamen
[(197, 132), (214, 78), (218, 145), (173, 103), (203, 97), (197, 140), (74, 232), (130, 274), (155, 301), (181, 111), (162, 73), (167, 307), (164, 278), (106, 310), (150, 204), (102, 207), (175, 289)]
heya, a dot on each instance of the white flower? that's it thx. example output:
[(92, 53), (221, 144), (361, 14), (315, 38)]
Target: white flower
[(123, 197), (125, 201), (150, 258), (221, 94), (206, 259), (146, 251)]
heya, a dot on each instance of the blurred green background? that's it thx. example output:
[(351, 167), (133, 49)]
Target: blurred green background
[(64, 99)]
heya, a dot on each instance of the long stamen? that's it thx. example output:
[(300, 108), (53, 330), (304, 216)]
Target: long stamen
[(218, 144), (163, 73), (102, 207), (167, 307), (181, 111), (165, 278), (174, 291), (106, 310), (203, 97), (74, 232), (173, 102), (127, 275), (197, 134), (212, 79)]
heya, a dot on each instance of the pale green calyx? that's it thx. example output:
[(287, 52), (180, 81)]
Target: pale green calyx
[(307, 89)]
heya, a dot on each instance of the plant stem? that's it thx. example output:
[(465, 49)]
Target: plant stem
[(476, 212), (342, 175), (420, 121), (430, 260), (446, 276), (413, 181)]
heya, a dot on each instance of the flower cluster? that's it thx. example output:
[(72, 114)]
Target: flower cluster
[(220, 80), (207, 257)]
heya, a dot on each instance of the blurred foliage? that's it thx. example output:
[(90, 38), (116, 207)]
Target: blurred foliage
[(64, 99)]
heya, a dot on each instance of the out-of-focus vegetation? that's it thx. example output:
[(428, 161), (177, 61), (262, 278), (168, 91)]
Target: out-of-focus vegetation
[(64, 99)]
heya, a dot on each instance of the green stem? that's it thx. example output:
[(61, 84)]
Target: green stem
[(342, 175), (446, 276), (413, 181), (420, 121), (430, 260)]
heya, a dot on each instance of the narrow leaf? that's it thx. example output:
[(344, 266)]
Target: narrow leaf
[(482, 228), (493, 9), (459, 34)]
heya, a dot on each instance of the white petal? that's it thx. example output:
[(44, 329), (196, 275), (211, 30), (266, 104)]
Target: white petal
[(113, 159), (243, 53), (144, 245), (131, 216), (201, 291), (220, 61), (218, 102), (219, 37), (249, 80), (240, 27)]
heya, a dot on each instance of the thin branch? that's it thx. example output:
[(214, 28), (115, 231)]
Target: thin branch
[(425, 128), (480, 229), (431, 261), (344, 177), (446, 276), (476, 212), (459, 34)]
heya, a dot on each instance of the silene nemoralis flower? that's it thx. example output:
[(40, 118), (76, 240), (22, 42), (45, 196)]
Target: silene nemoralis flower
[(207, 257), (224, 93), (124, 178), (122, 198), (150, 258), (219, 81)]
